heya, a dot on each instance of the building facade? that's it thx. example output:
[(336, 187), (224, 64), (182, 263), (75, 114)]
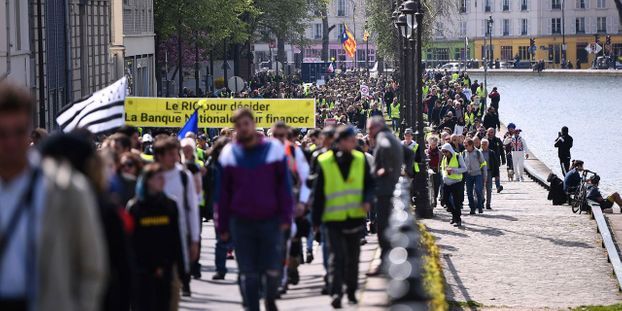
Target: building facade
[(551, 23), (15, 43), (341, 14), (132, 45), (70, 52)]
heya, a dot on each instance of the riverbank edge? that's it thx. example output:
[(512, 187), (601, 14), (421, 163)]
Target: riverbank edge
[(549, 72), (539, 172)]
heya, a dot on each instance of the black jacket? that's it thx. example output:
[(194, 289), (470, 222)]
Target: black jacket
[(156, 238), (493, 163), (495, 144), (563, 144), (491, 120), (319, 199)]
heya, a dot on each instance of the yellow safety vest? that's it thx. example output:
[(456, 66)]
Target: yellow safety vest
[(416, 165), (480, 92), (344, 198), (455, 76), (395, 111), (469, 119), (146, 157), (426, 90), (452, 163)]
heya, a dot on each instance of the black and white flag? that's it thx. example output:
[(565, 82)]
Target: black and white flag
[(101, 112)]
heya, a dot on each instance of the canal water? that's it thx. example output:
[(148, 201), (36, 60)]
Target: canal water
[(591, 107)]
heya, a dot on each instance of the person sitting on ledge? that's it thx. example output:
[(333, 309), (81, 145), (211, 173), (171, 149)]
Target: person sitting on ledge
[(593, 193), (572, 180)]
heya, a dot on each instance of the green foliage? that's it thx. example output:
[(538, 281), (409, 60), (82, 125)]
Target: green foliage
[(386, 36), (433, 279)]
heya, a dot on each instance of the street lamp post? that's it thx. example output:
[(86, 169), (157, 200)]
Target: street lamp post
[(487, 57), (414, 10), (564, 60), (402, 26)]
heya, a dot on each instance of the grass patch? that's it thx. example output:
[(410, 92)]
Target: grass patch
[(433, 279), (465, 304), (616, 307)]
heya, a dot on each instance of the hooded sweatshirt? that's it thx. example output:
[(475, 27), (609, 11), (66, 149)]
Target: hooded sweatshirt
[(456, 170)]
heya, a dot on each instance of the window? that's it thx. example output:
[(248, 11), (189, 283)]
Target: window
[(580, 24), (506, 52), (488, 6), (524, 26), (18, 28), (317, 31), (463, 6), (463, 29), (360, 55), (506, 27), (601, 24), (457, 54), (438, 30), (601, 4), (556, 4), (556, 25), (341, 7), (340, 30), (523, 5), (506, 5), (523, 53), (616, 48), (581, 4)]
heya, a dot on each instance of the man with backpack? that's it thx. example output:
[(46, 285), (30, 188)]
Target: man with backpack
[(179, 186)]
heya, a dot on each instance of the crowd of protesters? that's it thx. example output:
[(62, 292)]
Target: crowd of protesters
[(127, 209)]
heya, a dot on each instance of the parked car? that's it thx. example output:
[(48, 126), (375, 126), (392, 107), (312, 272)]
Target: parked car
[(453, 67)]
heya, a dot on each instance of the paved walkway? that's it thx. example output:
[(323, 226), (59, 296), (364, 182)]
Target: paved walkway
[(525, 254), (225, 295)]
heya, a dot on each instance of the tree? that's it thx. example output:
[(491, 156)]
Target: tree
[(386, 36), (206, 23)]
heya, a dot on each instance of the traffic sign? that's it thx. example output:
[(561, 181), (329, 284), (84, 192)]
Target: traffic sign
[(364, 90), (236, 84), (593, 48)]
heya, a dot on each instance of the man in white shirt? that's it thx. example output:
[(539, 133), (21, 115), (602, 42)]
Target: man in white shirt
[(180, 187)]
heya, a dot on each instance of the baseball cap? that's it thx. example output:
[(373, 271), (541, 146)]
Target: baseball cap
[(408, 131), (147, 138), (511, 126)]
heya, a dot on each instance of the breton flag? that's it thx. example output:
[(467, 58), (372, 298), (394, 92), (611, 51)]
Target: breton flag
[(100, 112), (348, 42)]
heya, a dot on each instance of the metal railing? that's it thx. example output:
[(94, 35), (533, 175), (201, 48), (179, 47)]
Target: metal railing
[(405, 263)]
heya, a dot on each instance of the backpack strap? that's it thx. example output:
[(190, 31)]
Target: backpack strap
[(184, 182)]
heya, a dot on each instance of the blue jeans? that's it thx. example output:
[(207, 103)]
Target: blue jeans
[(475, 183), (396, 124), (220, 256), (259, 253)]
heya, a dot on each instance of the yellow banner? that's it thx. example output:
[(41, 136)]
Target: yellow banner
[(217, 112)]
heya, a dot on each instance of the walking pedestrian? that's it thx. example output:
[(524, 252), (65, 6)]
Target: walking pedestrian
[(179, 186), (563, 143), (253, 167), (48, 210), (343, 193), (156, 241), (387, 168), (395, 115), (519, 154), (492, 161), (495, 98), (452, 169), (476, 176), (433, 153)]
